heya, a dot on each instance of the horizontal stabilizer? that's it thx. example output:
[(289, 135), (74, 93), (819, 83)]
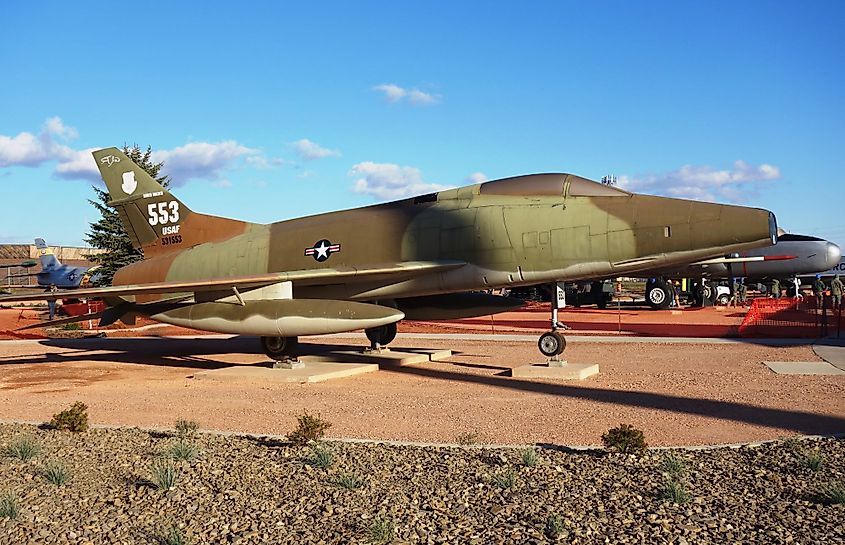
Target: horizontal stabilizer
[(63, 321)]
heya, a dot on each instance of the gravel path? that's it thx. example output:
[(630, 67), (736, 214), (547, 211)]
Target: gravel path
[(252, 491), (679, 394)]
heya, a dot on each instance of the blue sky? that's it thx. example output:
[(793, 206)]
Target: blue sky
[(269, 110)]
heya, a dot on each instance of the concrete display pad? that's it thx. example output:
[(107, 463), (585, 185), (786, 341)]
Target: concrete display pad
[(803, 368), (389, 357), (569, 371), (833, 354), (311, 371)]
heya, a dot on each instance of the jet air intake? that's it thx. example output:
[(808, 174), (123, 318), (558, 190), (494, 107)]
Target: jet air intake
[(280, 318)]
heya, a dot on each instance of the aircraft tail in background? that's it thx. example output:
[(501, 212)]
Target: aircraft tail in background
[(46, 257)]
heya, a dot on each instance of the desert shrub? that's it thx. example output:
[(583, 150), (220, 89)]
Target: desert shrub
[(673, 465), (380, 531), (24, 448), (9, 506), (186, 428), (182, 450), (624, 438), (468, 438), (810, 459), (504, 480), (309, 428), (73, 419), (164, 475), (554, 527), (74, 326), (529, 457), (833, 493), (347, 481), (174, 536), (55, 473), (674, 490), (321, 456)]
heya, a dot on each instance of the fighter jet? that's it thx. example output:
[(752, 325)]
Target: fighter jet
[(52, 272), (417, 258)]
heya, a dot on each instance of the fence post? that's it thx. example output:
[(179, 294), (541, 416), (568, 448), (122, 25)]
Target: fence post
[(824, 316)]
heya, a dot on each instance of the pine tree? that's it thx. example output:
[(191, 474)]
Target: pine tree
[(108, 233)]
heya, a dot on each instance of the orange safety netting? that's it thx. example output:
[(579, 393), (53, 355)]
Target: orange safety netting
[(788, 317)]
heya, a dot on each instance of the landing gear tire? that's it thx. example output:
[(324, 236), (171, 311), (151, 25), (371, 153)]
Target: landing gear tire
[(599, 296), (723, 299), (713, 296), (551, 344), (658, 295), (381, 335), (708, 291), (279, 348)]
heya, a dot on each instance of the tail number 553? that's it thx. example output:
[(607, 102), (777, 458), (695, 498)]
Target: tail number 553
[(163, 213)]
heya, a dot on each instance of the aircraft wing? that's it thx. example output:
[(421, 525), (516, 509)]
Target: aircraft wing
[(393, 273)]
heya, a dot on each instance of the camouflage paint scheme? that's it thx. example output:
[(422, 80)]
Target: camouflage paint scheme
[(515, 231)]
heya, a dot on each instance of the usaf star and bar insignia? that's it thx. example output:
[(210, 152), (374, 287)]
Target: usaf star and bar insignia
[(322, 250)]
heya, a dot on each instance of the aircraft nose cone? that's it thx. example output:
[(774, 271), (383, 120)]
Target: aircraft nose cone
[(834, 254)]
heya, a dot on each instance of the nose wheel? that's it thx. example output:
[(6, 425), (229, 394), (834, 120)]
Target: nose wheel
[(551, 344)]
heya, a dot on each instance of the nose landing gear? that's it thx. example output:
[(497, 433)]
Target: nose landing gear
[(552, 344)]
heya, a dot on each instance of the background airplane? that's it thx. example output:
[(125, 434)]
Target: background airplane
[(52, 271), (793, 256), (368, 268)]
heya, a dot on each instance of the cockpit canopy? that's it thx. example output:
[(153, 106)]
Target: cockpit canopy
[(550, 185)]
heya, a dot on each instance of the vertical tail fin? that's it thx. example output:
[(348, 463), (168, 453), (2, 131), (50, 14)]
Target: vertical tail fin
[(154, 218), (46, 256)]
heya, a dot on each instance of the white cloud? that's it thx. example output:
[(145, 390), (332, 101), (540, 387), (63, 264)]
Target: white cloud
[(704, 182), (79, 165), (56, 127), (390, 181), (30, 150), (261, 162), (394, 94), (477, 178), (205, 160), (310, 151)]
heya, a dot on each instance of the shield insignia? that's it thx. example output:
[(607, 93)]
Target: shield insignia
[(129, 182)]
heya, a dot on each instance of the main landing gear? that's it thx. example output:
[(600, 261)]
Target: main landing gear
[(658, 293), (381, 336), (552, 344), (280, 348)]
